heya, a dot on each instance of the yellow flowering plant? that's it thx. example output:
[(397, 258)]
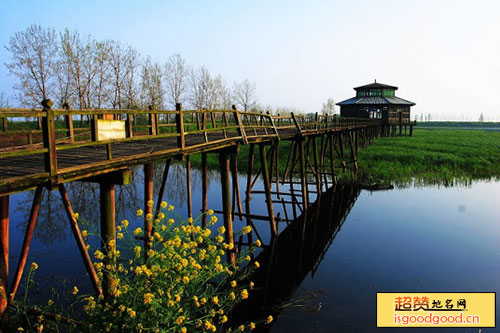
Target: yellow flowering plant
[(177, 279)]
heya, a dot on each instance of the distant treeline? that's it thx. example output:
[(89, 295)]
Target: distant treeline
[(459, 124)]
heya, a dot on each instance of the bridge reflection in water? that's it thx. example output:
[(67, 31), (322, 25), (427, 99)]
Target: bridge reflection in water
[(297, 251)]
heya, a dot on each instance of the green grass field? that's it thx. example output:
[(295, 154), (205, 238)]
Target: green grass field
[(432, 156)]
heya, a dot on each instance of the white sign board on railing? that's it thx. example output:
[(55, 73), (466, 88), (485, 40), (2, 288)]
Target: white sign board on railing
[(110, 129)]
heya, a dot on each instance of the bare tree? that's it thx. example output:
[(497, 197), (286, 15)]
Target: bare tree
[(151, 84), (4, 101), (244, 94), (34, 55), (77, 60), (328, 107), (131, 62), (200, 81), (176, 72), (103, 75)]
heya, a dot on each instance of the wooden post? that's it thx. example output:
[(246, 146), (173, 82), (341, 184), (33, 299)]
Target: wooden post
[(129, 133), (162, 187), (27, 241), (188, 187), (4, 124), (316, 166), (353, 151), (94, 128), (236, 184), (68, 119), (152, 121), (4, 252), (267, 187), (179, 120), (49, 138), (341, 146), (148, 209), (226, 202), (204, 188), (302, 160), (108, 234), (332, 158), (241, 128), (79, 240)]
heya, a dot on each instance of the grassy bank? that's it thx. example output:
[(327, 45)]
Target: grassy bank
[(460, 125), (433, 156)]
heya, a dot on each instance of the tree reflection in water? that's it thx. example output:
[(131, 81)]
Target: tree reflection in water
[(53, 225)]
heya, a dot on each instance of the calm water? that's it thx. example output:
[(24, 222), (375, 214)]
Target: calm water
[(324, 274)]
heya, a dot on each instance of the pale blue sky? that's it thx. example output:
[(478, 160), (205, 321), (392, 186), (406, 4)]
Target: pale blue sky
[(443, 55)]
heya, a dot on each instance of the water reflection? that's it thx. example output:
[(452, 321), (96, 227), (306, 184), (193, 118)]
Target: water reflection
[(296, 252), (52, 224)]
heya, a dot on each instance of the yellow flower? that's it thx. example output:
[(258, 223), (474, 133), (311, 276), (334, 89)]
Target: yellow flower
[(185, 279), (178, 298), (131, 312), (232, 295), (163, 204), (203, 300), (124, 223), (258, 243), (210, 212), (207, 232), (170, 221), (213, 219), (222, 230), (256, 264), (84, 233), (248, 258), (161, 216), (170, 208), (50, 302), (119, 228), (163, 227), (150, 203), (121, 308), (98, 254), (215, 299), (137, 251), (223, 319), (20, 329), (75, 290), (190, 220), (241, 328), (233, 284), (208, 325), (269, 319), (148, 297), (251, 326), (119, 235), (183, 330), (219, 239), (137, 231), (251, 284), (76, 216), (140, 212), (34, 266), (244, 294), (246, 229)]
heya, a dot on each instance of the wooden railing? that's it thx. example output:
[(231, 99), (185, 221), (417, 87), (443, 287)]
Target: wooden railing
[(63, 129)]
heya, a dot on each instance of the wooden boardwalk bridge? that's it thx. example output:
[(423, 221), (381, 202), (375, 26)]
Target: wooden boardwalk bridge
[(101, 145)]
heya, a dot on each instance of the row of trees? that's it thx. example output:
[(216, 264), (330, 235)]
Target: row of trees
[(87, 73)]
